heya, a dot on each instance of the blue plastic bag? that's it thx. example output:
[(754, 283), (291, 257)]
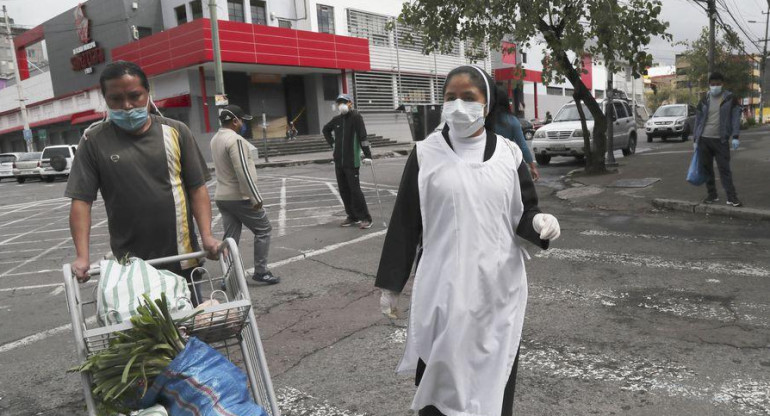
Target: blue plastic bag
[(202, 382), (696, 175)]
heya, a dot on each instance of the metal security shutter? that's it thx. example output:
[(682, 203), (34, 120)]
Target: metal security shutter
[(374, 91), (369, 26)]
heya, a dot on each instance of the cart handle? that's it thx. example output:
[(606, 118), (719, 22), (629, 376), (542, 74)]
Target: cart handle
[(171, 259)]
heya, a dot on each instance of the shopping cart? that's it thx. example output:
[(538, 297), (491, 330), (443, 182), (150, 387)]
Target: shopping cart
[(230, 326)]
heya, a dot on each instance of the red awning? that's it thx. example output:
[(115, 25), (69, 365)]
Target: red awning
[(174, 102), (85, 117)]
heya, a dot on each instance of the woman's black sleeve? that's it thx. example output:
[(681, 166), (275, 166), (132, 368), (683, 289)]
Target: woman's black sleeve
[(525, 229), (404, 232)]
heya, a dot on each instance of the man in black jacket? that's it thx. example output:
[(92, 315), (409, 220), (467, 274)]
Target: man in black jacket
[(347, 141)]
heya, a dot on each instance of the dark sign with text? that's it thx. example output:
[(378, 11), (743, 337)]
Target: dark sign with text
[(86, 56)]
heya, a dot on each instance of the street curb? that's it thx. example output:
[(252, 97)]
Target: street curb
[(708, 209), (325, 160)]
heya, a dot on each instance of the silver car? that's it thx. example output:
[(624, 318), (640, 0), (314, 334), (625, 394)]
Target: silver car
[(6, 164), (27, 166), (675, 120)]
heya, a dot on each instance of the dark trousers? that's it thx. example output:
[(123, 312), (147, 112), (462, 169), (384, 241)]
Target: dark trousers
[(236, 214), (351, 194), (718, 149), (510, 389)]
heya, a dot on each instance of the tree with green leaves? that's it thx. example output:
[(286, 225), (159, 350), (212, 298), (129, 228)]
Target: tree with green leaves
[(729, 59), (606, 30)]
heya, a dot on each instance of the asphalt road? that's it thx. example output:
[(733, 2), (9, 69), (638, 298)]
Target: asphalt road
[(654, 314)]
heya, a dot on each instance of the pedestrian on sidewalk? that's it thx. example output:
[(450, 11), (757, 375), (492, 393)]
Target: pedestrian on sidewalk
[(346, 134), (465, 199), (718, 120), (509, 126), (150, 173), (237, 195)]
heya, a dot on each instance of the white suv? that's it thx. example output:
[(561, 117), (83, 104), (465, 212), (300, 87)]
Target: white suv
[(56, 161), (564, 135)]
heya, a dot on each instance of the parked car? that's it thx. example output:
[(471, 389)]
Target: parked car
[(56, 161), (27, 166), (528, 128), (675, 120), (6, 164), (564, 136)]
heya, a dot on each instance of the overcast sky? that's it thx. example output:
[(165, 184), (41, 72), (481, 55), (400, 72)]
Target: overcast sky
[(685, 18)]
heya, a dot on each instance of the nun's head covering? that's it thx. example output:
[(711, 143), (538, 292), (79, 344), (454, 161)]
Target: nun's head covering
[(483, 82)]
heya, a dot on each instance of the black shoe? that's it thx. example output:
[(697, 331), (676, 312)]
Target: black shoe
[(711, 199), (735, 202), (266, 278)]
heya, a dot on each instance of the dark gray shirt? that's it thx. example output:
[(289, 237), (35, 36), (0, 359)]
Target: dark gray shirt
[(144, 181)]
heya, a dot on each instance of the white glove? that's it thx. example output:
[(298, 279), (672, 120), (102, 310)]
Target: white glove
[(547, 225), (389, 303), (367, 161)]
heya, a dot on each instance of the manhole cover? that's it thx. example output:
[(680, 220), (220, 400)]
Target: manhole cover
[(634, 183)]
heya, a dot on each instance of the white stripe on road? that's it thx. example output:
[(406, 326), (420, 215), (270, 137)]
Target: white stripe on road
[(294, 402), (34, 215), (58, 290), (13, 289), (282, 212), (335, 192), (600, 233), (584, 256), (35, 272), (39, 336)]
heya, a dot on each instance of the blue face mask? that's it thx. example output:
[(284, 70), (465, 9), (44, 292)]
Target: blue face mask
[(129, 120), (716, 89), (244, 128)]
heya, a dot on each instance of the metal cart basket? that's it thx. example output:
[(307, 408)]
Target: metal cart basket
[(230, 326)]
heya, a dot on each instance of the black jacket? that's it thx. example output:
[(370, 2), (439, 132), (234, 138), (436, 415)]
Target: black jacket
[(349, 139), (404, 237)]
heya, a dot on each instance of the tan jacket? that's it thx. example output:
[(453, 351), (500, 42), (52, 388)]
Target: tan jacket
[(236, 173)]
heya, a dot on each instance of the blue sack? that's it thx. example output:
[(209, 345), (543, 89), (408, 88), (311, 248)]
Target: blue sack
[(695, 174), (202, 382)]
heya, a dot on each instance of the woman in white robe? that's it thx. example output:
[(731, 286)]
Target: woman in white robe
[(465, 204)]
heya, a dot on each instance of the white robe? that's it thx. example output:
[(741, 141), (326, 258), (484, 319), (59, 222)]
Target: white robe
[(470, 289)]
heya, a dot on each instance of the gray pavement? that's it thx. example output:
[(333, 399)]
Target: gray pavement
[(634, 311)]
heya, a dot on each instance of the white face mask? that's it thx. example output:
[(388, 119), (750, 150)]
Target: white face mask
[(463, 117), (343, 108), (715, 89)]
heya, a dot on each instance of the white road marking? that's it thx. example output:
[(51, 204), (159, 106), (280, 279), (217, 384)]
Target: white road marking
[(392, 192), (39, 336), (58, 290), (583, 256), (48, 240), (296, 403), (336, 193), (35, 272), (282, 212), (12, 289), (600, 233), (33, 215)]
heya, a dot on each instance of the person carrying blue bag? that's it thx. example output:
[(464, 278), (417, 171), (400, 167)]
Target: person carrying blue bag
[(717, 121)]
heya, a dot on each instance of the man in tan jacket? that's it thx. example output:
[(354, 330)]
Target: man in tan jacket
[(237, 195)]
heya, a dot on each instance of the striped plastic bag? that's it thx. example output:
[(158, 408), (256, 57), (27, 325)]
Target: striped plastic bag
[(121, 287)]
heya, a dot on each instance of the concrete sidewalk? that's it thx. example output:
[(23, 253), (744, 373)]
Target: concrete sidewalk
[(657, 178), (326, 157)]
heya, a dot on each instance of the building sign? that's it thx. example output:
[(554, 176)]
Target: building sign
[(89, 54)]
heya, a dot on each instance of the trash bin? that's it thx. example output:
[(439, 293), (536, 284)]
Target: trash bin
[(423, 119)]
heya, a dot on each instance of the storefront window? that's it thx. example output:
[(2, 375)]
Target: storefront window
[(181, 15), (325, 18), (235, 10), (284, 23), (197, 9), (258, 13)]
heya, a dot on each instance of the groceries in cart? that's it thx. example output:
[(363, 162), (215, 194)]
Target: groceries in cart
[(154, 362)]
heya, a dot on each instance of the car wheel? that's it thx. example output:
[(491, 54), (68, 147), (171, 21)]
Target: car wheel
[(685, 135), (49, 179), (529, 135), (21, 180), (649, 138), (543, 159), (631, 149)]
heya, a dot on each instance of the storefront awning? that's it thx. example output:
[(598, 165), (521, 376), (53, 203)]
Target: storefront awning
[(174, 102), (85, 117), (190, 44)]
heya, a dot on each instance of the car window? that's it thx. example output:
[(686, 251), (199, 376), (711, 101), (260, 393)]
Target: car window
[(670, 111), (29, 156), (74, 149), (570, 113), (56, 151), (7, 158), (620, 110)]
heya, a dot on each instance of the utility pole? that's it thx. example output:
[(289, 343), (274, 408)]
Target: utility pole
[(19, 89), (219, 78), (712, 7), (609, 114), (763, 64)]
